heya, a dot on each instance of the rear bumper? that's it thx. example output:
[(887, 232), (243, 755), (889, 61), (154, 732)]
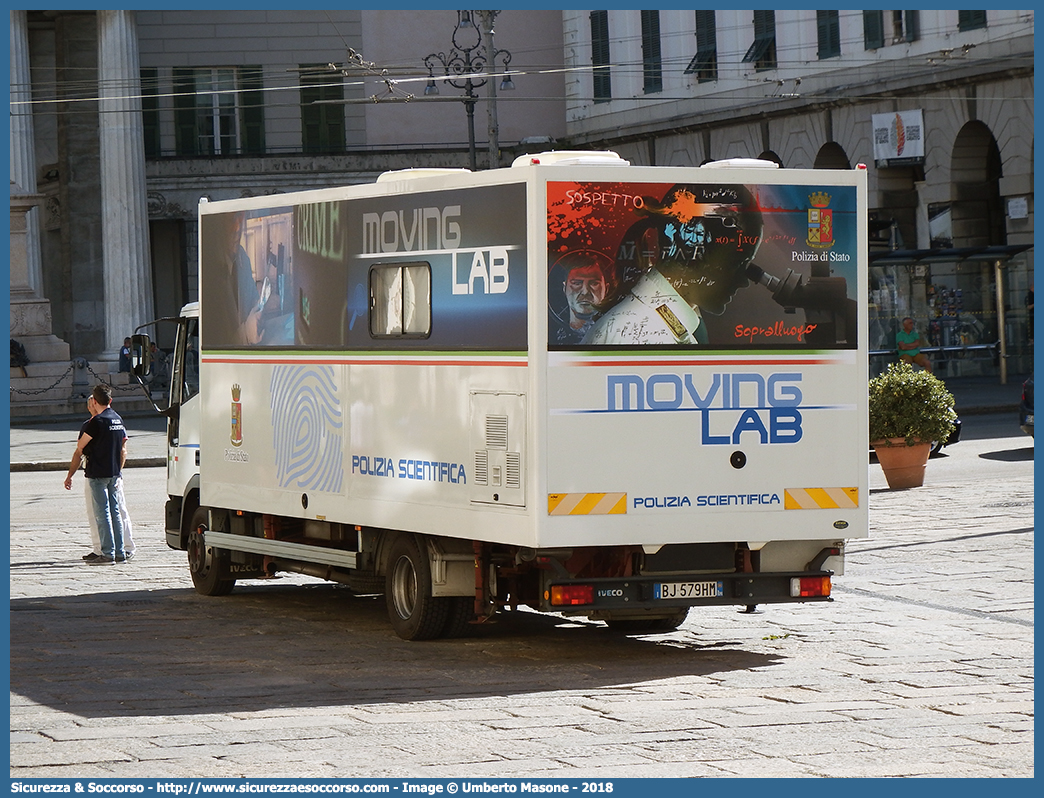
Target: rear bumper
[(666, 591)]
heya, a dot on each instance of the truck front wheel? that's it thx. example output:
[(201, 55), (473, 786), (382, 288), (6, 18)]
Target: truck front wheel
[(208, 566), (414, 613)]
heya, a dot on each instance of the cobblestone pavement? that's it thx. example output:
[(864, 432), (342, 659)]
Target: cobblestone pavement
[(922, 666)]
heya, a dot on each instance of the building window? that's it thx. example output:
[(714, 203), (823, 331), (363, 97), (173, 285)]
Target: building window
[(219, 111), (322, 123), (704, 65), (762, 53), (828, 32), (150, 111), (970, 20), (652, 65), (906, 26), (600, 55)]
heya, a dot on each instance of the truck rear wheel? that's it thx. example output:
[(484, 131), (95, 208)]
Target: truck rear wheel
[(414, 613), (459, 617), (208, 566)]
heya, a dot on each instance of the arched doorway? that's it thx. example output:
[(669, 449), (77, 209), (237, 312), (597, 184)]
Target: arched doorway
[(831, 156), (976, 210)]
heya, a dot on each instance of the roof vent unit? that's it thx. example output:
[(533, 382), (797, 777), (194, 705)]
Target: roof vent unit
[(571, 158), (415, 173), (741, 163)]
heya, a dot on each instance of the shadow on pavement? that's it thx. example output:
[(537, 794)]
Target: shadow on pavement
[(1010, 455), (174, 652)]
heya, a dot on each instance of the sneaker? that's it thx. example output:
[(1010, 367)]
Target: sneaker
[(125, 557), (91, 557), (102, 560)]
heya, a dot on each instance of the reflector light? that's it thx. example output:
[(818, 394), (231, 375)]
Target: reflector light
[(809, 586), (569, 595)]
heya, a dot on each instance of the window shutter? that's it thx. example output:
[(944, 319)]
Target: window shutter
[(873, 30), (762, 52), (913, 26), (150, 111), (971, 20), (322, 126), (829, 30), (600, 55), (252, 110), (652, 65), (186, 134)]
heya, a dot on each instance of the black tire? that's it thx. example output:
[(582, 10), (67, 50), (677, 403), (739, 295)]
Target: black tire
[(208, 566), (459, 617), (414, 613), (648, 624)]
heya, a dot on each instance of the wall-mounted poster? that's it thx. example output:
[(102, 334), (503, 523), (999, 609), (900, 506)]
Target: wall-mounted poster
[(727, 266)]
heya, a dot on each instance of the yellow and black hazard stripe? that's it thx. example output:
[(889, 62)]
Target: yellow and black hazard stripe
[(820, 498), (586, 503)]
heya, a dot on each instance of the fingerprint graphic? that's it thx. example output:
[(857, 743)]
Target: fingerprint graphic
[(307, 428)]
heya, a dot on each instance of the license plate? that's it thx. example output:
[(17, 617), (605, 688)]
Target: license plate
[(676, 590)]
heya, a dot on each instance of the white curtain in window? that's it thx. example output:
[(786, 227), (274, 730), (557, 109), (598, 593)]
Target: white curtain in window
[(415, 307)]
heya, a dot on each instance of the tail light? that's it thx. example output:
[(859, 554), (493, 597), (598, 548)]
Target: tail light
[(571, 595), (810, 586)]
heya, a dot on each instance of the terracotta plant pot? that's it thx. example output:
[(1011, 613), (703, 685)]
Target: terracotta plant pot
[(903, 465)]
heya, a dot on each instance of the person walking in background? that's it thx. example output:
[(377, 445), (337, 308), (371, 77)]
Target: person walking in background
[(103, 441), (908, 342), (125, 355)]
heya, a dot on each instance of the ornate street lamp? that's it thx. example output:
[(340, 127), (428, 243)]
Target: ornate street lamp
[(466, 66)]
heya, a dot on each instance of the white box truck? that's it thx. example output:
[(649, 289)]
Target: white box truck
[(575, 384)]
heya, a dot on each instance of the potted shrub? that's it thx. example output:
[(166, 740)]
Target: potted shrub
[(909, 409)]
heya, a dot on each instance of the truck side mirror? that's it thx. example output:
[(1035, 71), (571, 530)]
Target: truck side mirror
[(141, 355)]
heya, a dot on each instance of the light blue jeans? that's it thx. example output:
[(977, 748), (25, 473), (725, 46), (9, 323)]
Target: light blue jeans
[(106, 504)]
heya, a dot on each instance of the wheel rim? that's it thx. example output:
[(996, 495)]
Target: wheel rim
[(404, 588), (198, 553)]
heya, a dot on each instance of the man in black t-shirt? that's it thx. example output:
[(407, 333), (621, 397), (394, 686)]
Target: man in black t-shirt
[(103, 441)]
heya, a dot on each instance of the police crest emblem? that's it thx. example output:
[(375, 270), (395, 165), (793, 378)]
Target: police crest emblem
[(237, 417), (820, 221)]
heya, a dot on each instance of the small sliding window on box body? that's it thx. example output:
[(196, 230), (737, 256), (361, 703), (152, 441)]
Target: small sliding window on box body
[(400, 300)]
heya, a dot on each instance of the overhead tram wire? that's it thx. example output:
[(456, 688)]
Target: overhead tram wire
[(755, 81)]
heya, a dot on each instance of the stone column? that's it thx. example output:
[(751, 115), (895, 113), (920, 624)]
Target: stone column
[(125, 221), (23, 155), (46, 382)]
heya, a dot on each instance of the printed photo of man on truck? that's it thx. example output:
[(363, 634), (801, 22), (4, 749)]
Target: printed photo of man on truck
[(587, 279)]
